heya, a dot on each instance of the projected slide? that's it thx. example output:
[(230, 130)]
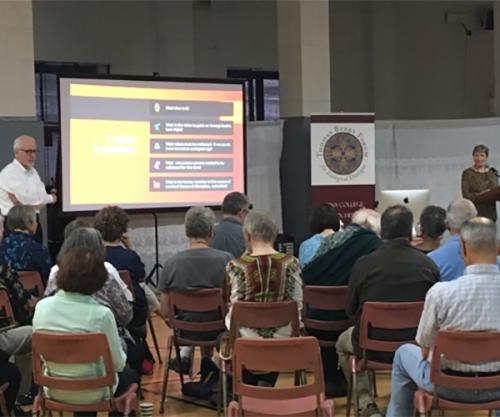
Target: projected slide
[(150, 144)]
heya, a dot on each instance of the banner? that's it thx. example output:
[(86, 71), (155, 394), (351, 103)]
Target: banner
[(343, 161)]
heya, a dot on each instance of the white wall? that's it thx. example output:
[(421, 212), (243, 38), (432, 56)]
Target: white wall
[(17, 88)]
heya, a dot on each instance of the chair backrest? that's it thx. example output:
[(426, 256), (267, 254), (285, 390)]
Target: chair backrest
[(201, 301), (127, 279), (277, 355), (5, 304), (467, 347), (259, 315), (329, 298), (388, 316), (71, 348), (31, 280)]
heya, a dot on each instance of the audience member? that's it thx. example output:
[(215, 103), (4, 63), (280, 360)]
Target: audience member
[(228, 234), (338, 252), (324, 222), (19, 249), (197, 267), (432, 227), (448, 257), (73, 310), (395, 272), (469, 303), (16, 341)]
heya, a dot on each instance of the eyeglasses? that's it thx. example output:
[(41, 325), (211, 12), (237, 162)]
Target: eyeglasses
[(29, 151)]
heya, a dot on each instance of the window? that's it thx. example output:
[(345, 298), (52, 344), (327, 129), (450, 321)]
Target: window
[(262, 92)]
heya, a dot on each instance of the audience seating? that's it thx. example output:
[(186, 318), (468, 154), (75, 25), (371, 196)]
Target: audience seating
[(3, 404), (125, 276), (328, 298), (193, 301), (279, 355), (32, 282), (468, 347), (73, 348), (387, 316)]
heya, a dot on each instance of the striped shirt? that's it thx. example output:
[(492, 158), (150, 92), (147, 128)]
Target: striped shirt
[(469, 303)]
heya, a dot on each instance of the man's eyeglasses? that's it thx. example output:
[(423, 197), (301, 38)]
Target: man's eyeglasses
[(29, 151)]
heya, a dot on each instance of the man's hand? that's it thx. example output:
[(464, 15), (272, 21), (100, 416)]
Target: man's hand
[(54, 197), (425, 352), (126, 242), (13, 198)]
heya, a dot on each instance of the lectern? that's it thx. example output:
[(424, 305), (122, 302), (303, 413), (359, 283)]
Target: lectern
[(492, 195)]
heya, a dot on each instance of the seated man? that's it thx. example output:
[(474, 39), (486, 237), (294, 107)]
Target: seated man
[(448, 257), (17, 341), (469, 303), (395, 272), (197, 267)]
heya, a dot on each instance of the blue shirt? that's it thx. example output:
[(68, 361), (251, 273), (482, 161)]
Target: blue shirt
[(449, 259), (308, 248)]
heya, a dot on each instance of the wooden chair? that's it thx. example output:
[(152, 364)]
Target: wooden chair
[(77, 348), (465, 347), (328, 298), (279, 355), (126, 278), (193, 301), (32, 282), (387, 316)]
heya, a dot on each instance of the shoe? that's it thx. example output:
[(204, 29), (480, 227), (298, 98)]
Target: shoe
[(371, 410), (184, 368), (334, 389), (25, 399), (147, 367)]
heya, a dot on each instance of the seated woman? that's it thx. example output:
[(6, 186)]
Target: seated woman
[(432, 227), (324, 222), (19, 250), (73, 310), (263, 275)]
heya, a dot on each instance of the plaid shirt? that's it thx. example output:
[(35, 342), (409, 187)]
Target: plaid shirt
[(470, 303)]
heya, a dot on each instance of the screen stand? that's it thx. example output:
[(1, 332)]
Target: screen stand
[(157, 266)]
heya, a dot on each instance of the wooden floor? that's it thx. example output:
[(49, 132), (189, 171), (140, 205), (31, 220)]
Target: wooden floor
[(174, 408)]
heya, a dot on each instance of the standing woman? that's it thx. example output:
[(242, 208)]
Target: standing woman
[(479, 179)]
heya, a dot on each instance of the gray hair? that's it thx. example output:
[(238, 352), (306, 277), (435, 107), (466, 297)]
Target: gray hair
[(260, 226), (21, 217), (83, 237), (17, 141), (480, 233), (199, 222), (458, 212), (368, 219)]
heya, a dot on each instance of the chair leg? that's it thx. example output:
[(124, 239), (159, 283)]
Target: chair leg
[(178, 354), (165, 376), (355, 394), (155, 340), (373, 381), (349, 398), (223, 376)]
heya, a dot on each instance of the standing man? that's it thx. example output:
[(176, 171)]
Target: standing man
[(228, 234), (20, 182)]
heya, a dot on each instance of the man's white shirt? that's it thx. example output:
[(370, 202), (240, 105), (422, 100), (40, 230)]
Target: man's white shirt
[(25, 184)]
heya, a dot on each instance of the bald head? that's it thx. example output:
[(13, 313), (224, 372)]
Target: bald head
[(458, 212), (25, 150)]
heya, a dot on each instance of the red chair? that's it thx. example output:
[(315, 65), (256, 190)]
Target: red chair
[(3, 403), (5, 304), (466, 347), (331, 298), (278, 355), (79, 348), (31, 280), (193, 301), (126, 278), (387, 316)]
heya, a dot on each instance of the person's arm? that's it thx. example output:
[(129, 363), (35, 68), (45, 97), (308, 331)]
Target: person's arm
[(19, 186), (429, 321), (294, 274), (109, 328), (116, 300)]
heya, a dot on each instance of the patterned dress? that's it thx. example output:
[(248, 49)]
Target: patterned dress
[(264, 278), (473, 184)]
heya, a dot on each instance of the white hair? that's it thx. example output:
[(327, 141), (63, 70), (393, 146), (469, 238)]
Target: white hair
[(260, 226), (458, 212), (17, 141), (480, 234), (368, 219)]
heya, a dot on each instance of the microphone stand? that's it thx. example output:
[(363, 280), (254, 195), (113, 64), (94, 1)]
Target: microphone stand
[(157, 266)]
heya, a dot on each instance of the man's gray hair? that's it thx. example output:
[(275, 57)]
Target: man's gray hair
[(199, 222), (21, 217), (260, 226), (458, 212), (480, 233), (17, 142), (83, 237), (368, 219)]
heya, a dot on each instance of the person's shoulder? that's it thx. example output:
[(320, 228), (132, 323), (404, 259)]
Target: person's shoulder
[(10, 167), (219, 254)]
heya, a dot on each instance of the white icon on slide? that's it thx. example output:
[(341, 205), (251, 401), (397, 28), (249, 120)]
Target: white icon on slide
[(156, 184), (157, 165), (157, 146), (157, 107)]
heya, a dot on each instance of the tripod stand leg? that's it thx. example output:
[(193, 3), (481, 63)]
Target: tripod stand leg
[(155, 340)]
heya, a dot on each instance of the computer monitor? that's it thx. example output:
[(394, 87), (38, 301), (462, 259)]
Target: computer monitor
[(415, 200)]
